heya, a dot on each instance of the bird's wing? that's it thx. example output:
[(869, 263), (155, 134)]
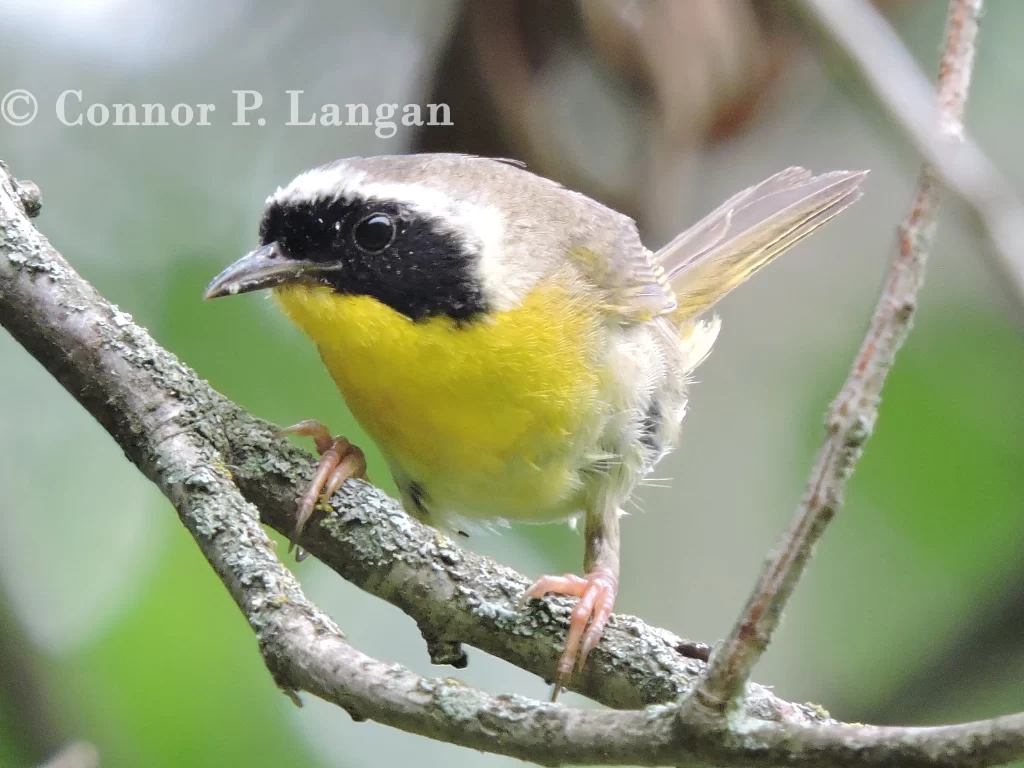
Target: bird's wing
[(633, 284), (748, 231)]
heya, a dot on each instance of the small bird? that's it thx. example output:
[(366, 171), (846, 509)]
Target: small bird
[(510, 345)]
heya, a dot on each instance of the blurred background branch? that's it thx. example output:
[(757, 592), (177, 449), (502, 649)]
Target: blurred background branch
[(25, 705), (864, 37), (79, 754)]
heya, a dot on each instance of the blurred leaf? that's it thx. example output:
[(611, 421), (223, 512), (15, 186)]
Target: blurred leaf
[(179, 680), (67, 493)]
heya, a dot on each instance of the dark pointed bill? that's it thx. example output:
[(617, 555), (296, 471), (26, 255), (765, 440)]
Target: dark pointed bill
[(266, 267)]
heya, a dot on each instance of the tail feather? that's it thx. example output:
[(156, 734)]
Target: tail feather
[(750, 230)]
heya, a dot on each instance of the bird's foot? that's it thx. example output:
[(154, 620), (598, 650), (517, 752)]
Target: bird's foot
[(339, 460), (596, 592)]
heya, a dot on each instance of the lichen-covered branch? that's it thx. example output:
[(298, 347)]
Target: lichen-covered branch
[(852, 416)]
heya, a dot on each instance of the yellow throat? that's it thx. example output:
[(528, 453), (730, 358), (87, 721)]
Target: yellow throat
[(491, 417)]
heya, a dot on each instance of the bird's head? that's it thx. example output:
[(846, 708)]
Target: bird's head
[(426, 235)]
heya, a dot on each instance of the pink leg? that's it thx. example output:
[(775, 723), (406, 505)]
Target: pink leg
[(339, 460), (596, 592)]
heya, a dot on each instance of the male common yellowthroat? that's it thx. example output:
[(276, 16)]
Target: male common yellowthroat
[(510, 345)]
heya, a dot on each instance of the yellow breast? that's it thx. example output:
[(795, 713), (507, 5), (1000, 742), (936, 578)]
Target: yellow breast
[(492, 417)]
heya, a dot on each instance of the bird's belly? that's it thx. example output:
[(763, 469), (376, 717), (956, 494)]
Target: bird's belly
[(492, 418)]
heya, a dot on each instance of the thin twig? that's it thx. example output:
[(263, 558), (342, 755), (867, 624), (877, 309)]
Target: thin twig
[(182, 434), (863, 35), (852, 416)]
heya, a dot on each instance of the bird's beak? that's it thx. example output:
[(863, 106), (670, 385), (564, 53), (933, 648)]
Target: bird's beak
[(266, 267)]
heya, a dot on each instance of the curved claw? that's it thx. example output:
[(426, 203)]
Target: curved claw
[(339, 461), (310, 428), (596, 591)]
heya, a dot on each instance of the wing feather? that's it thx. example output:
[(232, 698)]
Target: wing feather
[(748, 231)]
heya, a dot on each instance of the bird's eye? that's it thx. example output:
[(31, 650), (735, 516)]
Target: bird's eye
[(374, 233)]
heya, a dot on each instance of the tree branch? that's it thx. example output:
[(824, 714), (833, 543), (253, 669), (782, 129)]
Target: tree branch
[(852, 416), (859, 30)]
